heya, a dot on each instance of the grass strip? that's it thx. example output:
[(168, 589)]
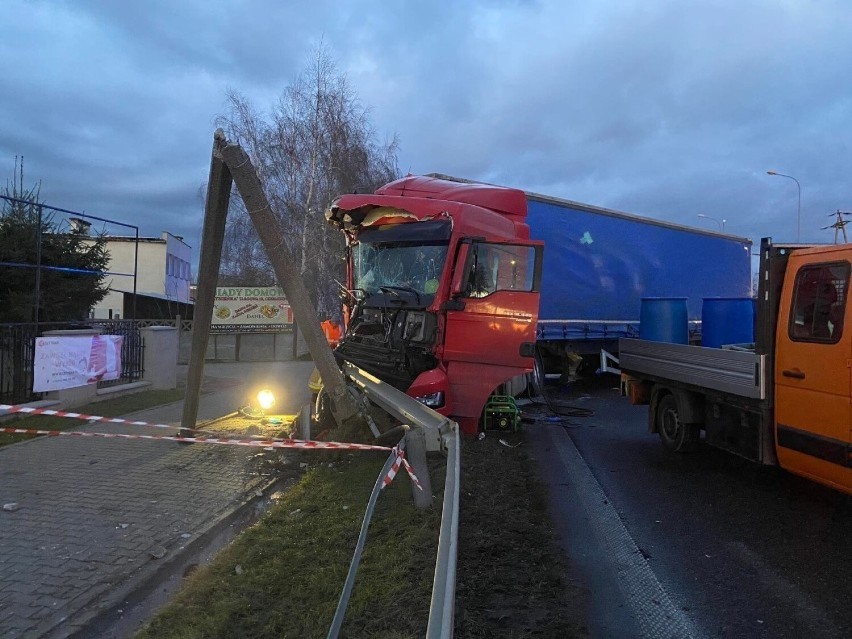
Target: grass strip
[(115, 407), (510, 571), (282, 577)]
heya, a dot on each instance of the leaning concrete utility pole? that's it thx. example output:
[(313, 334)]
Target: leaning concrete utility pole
[(212, 237), (344, 406)]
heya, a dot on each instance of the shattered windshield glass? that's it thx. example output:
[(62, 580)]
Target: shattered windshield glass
[(406, 256)]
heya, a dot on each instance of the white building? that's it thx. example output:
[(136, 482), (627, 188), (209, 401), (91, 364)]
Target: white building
[(162, 271)]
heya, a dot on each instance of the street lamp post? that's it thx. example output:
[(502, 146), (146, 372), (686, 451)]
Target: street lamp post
[(799, 205), (721, 224)]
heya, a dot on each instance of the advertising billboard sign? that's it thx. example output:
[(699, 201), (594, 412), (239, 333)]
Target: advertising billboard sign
[(251, 309)]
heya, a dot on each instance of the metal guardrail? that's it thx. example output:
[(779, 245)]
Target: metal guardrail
[(441, 434), (406, 409), (340, 612), (442, 608)]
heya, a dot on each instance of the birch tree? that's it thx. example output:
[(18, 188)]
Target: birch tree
[(314, 144)]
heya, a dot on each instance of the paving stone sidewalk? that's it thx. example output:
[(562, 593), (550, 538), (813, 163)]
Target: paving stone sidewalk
[(97, 515)]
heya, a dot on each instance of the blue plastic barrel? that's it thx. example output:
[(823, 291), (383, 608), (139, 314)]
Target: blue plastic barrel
[(727, 320), (664, 319)]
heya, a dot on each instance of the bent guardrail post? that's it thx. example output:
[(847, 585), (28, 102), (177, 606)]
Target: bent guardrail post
[(415, 450), (420, 420), (441, 434)]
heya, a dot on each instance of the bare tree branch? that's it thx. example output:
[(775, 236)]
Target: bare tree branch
[(314, 144)]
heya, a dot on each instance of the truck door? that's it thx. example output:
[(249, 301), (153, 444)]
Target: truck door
[(813, 387), (494, 309), (489, 332)]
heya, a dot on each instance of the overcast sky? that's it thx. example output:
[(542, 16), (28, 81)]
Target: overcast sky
[(662, 108)]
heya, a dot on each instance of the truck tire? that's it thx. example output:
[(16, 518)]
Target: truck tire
[(537, 376), (675, 435)]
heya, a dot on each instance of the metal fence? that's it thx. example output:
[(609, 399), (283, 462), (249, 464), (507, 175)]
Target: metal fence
[(17, 349), (17, 354)]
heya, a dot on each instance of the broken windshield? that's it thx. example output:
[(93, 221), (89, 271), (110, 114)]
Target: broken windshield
[(402, 257)]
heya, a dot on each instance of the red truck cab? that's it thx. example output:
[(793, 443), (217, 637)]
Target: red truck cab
[(443, 285)]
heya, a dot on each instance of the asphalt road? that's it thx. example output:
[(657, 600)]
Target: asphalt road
[(739, 550)]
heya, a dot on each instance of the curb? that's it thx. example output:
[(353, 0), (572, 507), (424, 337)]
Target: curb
[(99, 613), (654, 612)]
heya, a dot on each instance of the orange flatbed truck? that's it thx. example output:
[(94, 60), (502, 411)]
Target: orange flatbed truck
[(785, 400)]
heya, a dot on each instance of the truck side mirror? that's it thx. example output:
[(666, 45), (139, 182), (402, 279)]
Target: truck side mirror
[(457, 287)]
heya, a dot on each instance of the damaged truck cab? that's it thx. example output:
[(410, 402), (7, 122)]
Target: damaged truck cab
[(443, 290)]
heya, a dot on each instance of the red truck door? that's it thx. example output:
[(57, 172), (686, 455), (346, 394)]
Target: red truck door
[(491, 320), (813, 387)]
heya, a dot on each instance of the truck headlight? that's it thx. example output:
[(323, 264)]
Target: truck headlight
[(433, 400)]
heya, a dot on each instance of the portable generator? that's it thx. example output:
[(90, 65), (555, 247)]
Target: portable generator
[(501, 413)]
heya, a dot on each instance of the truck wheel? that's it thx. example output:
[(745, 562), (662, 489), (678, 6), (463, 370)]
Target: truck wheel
[(537, 377), (675, 435)]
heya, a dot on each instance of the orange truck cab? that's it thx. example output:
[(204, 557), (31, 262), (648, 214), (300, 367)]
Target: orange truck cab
[(443, 290), (813, 367), (788, 399)]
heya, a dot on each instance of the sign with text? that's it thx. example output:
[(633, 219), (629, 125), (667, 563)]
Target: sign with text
[(251, 309), (66, 361)]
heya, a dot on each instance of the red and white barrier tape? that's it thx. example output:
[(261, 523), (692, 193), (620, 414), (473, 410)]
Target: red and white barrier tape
[(411, 472), (394, 469), (255, 443), (29, 410), (274, 442)]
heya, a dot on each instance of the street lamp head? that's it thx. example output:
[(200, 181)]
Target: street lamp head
[(798, 205)]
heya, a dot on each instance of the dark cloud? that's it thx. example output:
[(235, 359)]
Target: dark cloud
[(666, 109)]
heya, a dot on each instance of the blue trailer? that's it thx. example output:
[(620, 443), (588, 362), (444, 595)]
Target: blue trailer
[(600, 263)]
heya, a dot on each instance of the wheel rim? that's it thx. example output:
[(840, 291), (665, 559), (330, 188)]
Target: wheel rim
[(670, 423), (538, 375)]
